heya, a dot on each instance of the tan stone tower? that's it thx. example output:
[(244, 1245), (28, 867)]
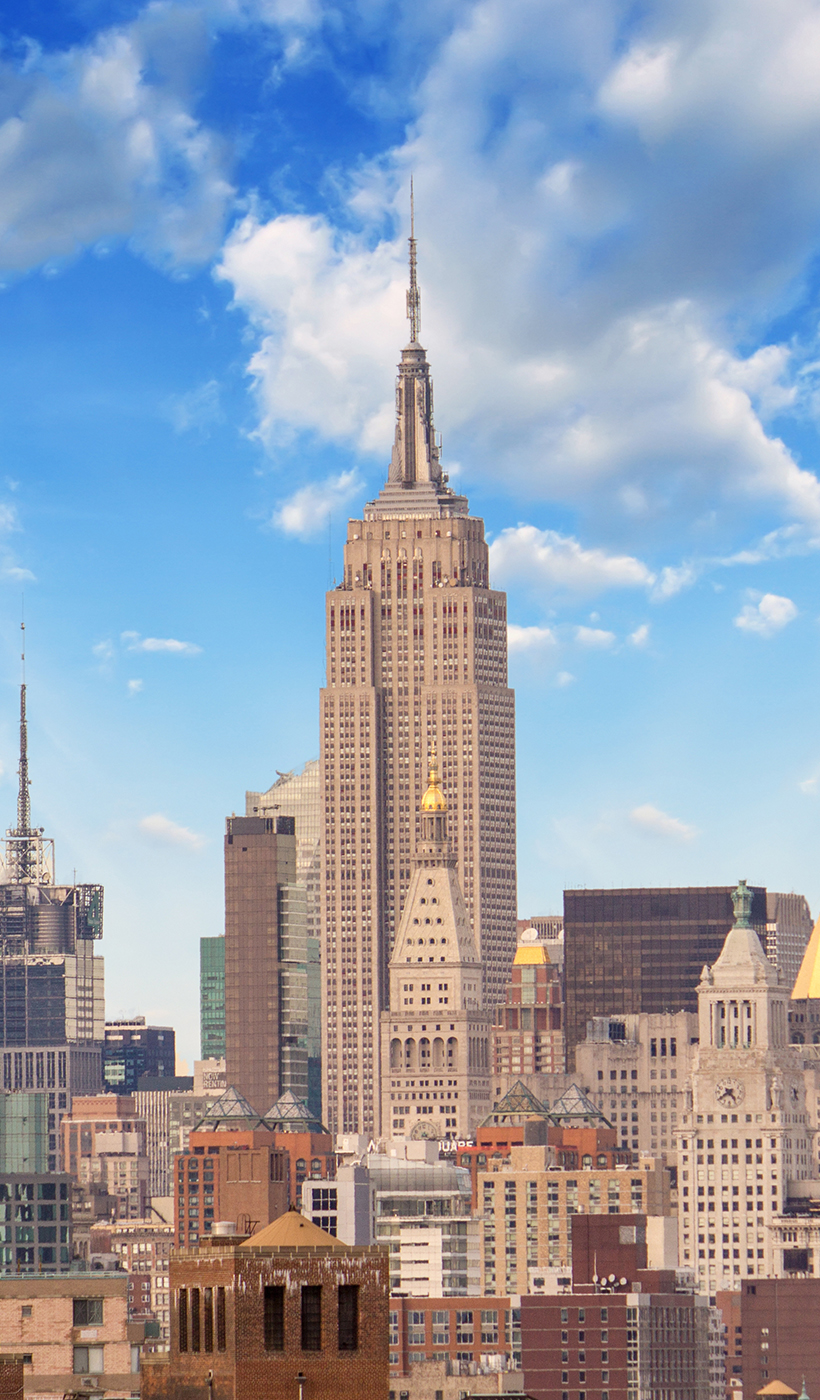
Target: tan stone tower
[(435, 1037), (416, 656), (747, 1132)]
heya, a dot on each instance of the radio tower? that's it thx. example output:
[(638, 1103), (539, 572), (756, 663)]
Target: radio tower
[(29, 858)]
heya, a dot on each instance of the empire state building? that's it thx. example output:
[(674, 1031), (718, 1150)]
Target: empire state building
[(416, 658)]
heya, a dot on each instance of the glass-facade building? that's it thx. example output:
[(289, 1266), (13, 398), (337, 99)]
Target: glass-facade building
[(627, 951), (35, 1223), (212, 998)]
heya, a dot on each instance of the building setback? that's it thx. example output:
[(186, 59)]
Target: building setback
[(416, 656), (627, 951)]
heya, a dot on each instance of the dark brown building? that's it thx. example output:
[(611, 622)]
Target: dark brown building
[(260, 862), (291, 1313), (613, 1327), (777, 1333), (627, 951), (238, 1175)]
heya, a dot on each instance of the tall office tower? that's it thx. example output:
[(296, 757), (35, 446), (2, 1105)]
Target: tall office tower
[(265, 961), (52, 1010), (133, 1049), (212, 998), (788, 930), (627, 951), (297, 794), (436, 1035), (416, 656)]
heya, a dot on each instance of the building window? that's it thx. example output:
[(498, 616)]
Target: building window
[(274, 1317), (88, 1312), (348, 1317), (208, 1319), (220, 1319), (195, 1320), (182, 1316), (311, 1318), (88, 1361)]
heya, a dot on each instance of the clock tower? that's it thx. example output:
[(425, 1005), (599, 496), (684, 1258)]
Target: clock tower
[(746, 1131)]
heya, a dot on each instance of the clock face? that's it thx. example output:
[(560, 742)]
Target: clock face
[(729, 1092)]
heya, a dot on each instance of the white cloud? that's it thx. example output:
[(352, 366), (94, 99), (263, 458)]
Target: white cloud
[(134, 642), (810, 785), (104, 650), (98, 144), (134, 687), (165, 832), (640, 636), (531, 639), (584, 328), (307, 510), (767, 616), (654, 822), (199, 410), (546, 559), (564, 678), (594, 637)]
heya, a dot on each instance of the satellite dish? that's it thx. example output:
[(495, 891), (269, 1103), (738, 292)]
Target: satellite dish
[(623, 1283), (594, 1278), (612, 1278)]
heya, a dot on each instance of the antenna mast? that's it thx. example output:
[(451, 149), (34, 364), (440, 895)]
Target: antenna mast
[(23, 795), (29, 857), (413, 297)]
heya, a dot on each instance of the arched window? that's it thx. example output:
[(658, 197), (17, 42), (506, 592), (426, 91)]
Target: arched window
[(452, 1052), (301, 1167), (438, 1053), (316, 1167), (586, 1162), (395, 1054), (424, 1053), (409, 1054)]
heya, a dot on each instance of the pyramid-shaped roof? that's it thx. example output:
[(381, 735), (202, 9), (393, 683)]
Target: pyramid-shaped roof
[(292, 1231), (231, 1110), (518, 1103), (292, 1115), (778, 1388), (807, 982), (574, 1104)]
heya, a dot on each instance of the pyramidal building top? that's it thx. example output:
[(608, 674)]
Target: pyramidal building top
[(416, 484)]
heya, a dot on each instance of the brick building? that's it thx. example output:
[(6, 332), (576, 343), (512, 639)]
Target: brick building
[(775, 1332), (476, 1334), (142, 1248), (103, 1141), (528, 1035), (289, 1310), (307, 1142), (73, 1334), (231, 1171), (639, 1334)]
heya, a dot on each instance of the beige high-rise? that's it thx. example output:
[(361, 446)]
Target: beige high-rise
[(416, 656)]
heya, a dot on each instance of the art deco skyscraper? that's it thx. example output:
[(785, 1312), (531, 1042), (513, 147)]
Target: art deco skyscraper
[(416, 656)]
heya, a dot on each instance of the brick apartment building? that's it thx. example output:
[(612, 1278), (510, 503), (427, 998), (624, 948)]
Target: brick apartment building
[(288, 1311), (471, 1335), (638, 1333), (236, 1175), (773, 1333), (72, 1333)]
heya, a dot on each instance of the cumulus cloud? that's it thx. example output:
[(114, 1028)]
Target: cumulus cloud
[(98, 144), (654, 822), (640, 636), (564, 678), (165, 832), (134, 687), (767, 616), (594, 637), (529, 639), (548, 560), (134, 642), (305, 512), (585, 305)]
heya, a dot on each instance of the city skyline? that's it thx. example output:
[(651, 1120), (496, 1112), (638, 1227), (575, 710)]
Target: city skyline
[(617, 261)]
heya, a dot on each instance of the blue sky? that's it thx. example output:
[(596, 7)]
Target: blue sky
[(203, 215)]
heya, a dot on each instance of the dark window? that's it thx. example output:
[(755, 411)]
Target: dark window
[(220, 1319), (275, 1317), (195, 1338), (348, 1317), (88, 1312), (208, 1319), (311, 1318), (796, 1261), (182, 1316)]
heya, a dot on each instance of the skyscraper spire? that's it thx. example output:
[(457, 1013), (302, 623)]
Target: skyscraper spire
[(413, 294), (23, 795), (29, 857)]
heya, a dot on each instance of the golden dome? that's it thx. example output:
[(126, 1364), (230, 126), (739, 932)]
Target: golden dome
[(433, 800)]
